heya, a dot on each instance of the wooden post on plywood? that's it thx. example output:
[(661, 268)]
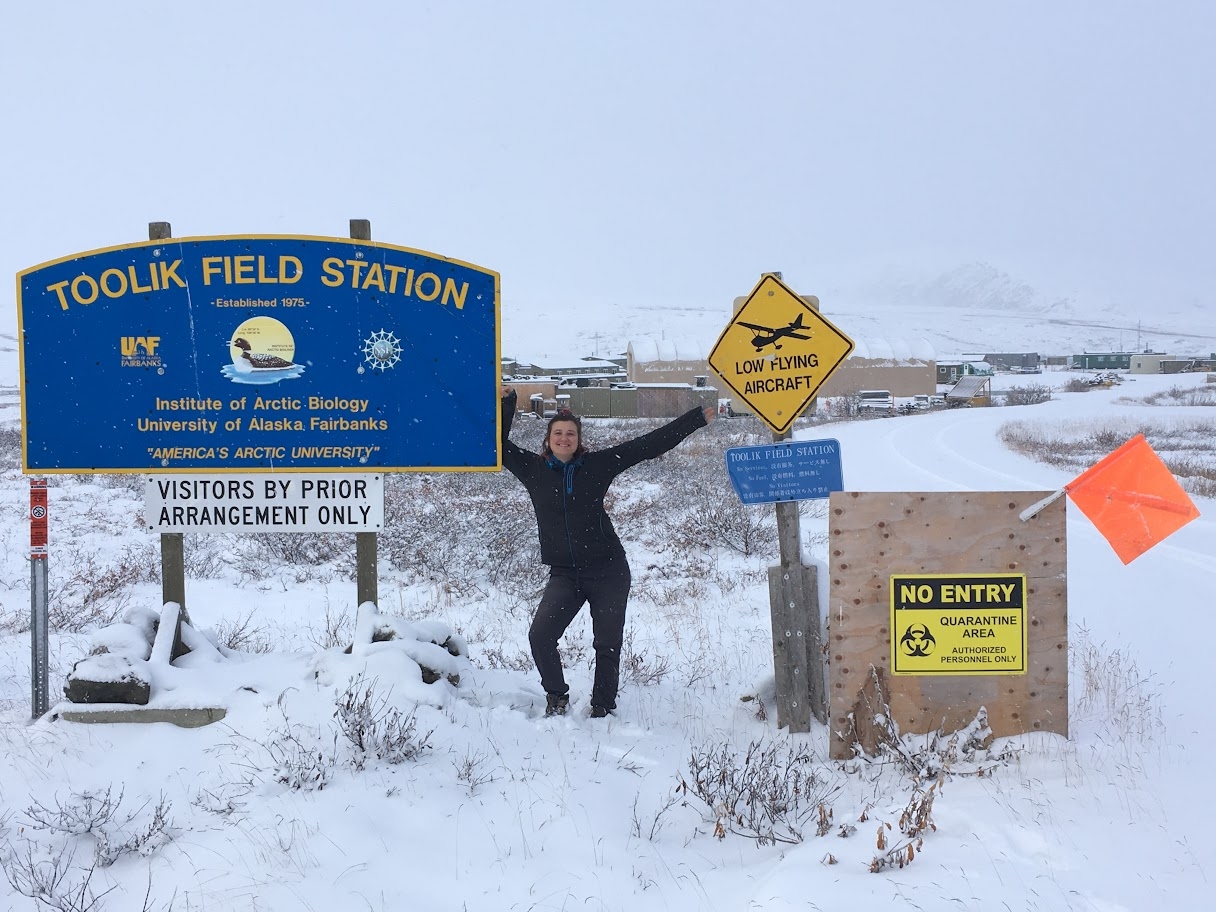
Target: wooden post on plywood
[(172, 544), (793, 594), (367, 575), (793, 591)]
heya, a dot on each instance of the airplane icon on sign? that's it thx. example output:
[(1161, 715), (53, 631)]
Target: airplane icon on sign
[(767, 335)]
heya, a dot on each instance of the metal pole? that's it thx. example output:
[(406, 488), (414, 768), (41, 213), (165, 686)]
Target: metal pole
[(39, 639), (39, 605)]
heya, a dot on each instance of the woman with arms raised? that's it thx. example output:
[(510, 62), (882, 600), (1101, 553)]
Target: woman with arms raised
[(587, 563)]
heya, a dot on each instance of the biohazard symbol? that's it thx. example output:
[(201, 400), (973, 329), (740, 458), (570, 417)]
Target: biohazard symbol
[(917, 641)]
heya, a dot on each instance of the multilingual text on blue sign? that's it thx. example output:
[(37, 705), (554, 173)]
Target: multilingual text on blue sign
[(797, 470)]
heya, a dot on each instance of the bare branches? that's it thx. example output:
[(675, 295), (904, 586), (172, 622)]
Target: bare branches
[(48, 881), (915, 819), (769, 794), (376, 729), (98, 815)]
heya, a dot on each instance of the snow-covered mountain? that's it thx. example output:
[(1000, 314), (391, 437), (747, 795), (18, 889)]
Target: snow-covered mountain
[(971, 307)]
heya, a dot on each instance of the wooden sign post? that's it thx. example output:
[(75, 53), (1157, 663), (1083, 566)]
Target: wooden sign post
[(367, 574), (793, 595), (774, 355)]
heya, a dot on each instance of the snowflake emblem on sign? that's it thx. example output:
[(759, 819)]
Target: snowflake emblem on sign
[(381, 350)]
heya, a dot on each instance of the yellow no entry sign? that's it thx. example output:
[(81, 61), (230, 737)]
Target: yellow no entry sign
[(970, 624), (776, 352)]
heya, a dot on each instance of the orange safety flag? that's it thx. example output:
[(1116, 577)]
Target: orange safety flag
[(1132, 499)]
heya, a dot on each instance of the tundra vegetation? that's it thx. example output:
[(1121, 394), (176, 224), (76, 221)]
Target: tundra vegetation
[(461, 548)]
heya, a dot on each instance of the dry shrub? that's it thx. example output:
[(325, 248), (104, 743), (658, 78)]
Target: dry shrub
[(241, 634), (375, 729), (84, 592), (915, 819), (1110, 688), (10, 447), (1182, 395), (768, 792), (466, 532), (300, 549), (1188, 448), (1034, 394)]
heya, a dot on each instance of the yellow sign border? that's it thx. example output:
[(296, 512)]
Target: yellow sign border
[(820, 320)]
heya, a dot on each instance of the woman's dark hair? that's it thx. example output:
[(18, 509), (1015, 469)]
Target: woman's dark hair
[(564, 415)]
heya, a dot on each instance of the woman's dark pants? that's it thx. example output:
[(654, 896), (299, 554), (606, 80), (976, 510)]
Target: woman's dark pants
[(606, 589)]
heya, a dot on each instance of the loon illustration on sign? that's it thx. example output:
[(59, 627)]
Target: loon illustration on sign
[(776, 352)]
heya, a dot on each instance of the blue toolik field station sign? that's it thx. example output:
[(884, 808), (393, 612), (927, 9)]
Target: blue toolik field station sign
[(787, 470), (256, 354)]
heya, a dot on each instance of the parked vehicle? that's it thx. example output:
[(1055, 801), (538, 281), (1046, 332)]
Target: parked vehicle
[(872, 401)]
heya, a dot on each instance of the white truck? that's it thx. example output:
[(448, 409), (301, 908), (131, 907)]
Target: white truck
[(870, 401)]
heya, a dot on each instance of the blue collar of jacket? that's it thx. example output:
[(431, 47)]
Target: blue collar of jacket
[(567, 467)]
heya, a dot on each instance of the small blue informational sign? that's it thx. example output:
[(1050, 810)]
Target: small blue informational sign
[(259, 353), (790, 470)]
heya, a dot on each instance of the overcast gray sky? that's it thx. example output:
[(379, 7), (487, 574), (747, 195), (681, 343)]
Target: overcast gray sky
[(596, 152)]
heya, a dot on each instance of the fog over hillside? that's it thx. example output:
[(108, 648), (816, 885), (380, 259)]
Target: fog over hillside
[(971, 308), (974, 307)]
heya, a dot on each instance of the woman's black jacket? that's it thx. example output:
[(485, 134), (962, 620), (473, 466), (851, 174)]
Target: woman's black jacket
[(575, 531)]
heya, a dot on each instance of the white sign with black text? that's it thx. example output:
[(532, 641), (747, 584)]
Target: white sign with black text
[(264, 503)]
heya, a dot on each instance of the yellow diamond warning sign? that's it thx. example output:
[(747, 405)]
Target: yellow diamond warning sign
[(777, 352), (958, 625)]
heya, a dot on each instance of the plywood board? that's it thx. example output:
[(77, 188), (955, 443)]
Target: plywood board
[(872, 535)]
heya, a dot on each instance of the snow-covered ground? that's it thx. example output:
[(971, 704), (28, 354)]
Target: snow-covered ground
[(985, 177), (507, 810)]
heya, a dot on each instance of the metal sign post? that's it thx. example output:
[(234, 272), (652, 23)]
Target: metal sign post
[(39, 611)]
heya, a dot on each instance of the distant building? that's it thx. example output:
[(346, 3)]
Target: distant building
[(970, 392), (541, 381), (951, 371), (643, 400), (666, 361), (1020, 362), (558, 367), (1101, 361), (1186, 365), (906, 367), (1148, 362)]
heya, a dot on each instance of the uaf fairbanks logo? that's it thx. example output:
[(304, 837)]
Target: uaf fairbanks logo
[(140, 351)]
